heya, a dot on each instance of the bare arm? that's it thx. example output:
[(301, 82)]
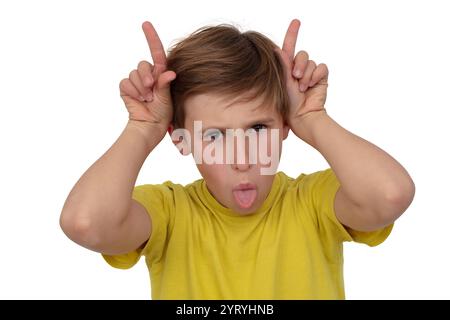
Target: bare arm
[(374, 188), (99, 213)]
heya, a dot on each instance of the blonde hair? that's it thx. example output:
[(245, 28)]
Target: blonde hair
[(223, 60)]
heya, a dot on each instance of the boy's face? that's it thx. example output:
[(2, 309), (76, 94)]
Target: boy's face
[(238, 169)]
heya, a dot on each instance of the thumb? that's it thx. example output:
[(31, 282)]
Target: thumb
[(164, 80)]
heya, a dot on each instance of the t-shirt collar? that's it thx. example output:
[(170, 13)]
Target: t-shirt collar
[(267, 204)]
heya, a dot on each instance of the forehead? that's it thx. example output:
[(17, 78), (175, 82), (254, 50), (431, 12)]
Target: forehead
[(226, 110)]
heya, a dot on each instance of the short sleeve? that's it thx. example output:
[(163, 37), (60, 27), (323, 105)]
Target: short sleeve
[(319, 189), (158, 200)]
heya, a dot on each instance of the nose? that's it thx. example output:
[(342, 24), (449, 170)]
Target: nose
[(241, 166), (241, 159)]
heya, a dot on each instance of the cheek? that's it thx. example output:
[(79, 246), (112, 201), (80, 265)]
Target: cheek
[(280, 146), (214, 174), (274, 142)]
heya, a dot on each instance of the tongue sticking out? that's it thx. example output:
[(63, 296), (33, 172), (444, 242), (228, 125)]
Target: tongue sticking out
[(245, 198)]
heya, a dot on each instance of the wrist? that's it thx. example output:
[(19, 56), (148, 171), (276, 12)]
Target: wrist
[(305, 127), (150, 133)]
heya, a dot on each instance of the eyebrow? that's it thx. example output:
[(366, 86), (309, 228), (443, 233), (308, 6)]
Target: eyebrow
[(249, 125)]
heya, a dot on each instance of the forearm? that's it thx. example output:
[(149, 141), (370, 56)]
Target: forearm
[(102, 195), (368, 175)]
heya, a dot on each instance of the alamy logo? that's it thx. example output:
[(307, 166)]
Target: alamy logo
[(234, 146)]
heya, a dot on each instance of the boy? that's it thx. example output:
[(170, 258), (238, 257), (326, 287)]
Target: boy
[(243, 231)]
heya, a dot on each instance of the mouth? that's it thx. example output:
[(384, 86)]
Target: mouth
[(245, 194)]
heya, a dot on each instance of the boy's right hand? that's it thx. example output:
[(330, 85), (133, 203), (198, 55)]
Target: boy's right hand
[(146, 92)]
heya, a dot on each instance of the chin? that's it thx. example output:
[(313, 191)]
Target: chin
[(246, 211)]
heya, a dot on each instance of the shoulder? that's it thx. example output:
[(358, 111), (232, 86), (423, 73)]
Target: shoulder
[(308, 180), (162, 195), (165, 187), (316, 176)]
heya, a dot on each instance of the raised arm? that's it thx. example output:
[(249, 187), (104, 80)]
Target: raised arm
[(375, 189), (99, 213)]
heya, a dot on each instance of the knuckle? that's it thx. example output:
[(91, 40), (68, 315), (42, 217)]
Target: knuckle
[(301, 56), (122, 83), (143, 65), (324, 66), (132, 73)]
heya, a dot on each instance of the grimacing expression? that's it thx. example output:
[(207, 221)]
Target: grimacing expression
[(239, 184)]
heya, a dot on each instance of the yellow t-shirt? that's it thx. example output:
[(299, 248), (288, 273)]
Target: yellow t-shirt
[(291, 248)]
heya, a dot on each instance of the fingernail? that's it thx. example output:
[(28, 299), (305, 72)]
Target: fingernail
[(297, 73), (303, 87), (141, 98)]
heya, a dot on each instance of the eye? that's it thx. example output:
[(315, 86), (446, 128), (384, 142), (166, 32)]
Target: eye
[(258, 127), (212, 134)]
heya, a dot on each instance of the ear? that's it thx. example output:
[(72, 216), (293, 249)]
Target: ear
[(285, 130), (181, 138)]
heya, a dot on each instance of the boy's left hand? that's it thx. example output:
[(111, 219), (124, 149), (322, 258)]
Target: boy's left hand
[(306, 83)]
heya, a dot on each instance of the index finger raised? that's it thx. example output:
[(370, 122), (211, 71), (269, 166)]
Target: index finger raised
[(290, 38), (155, 45)]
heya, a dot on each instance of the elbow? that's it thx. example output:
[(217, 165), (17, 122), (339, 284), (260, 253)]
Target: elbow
[(79, 228), (386, 209), (397, 200)]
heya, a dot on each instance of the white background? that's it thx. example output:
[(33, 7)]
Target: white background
[(60, 67)]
